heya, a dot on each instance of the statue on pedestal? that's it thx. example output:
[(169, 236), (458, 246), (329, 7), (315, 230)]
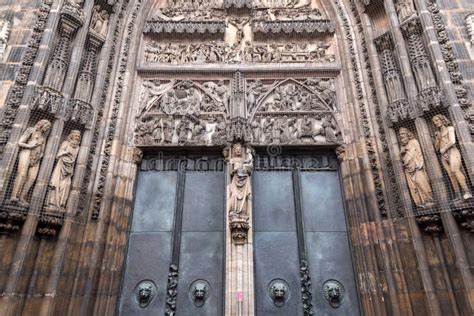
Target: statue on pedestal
[(241, 166), (32, 144), (445, 144), (60, 183), (414, 166)]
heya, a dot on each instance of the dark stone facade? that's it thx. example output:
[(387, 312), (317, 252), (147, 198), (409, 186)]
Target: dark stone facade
[(89, 88)]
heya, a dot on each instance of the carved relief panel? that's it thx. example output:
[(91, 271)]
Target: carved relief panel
[(293, 111), (181, 112), (223, 36)]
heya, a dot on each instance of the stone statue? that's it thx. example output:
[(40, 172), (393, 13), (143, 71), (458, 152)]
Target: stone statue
[(414, 166), (32, 145), (241, 165), (405, 9), (100, 21), (60, 183), (445, 143)]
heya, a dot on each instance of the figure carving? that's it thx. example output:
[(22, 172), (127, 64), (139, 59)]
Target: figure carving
[(445, 144), (241, 165), (222, 52), (60, 183), (414, 166), (99, 21), (405, 9), (32, 144)]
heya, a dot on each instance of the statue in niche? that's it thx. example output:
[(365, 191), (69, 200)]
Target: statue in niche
[(60, 183), (445, 144), (32, 144), (99, 21), (405, 9), (414, 166), (241, 165)]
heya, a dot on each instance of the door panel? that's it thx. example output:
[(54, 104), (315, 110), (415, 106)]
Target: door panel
[(202, 242), (201, 258), (148, 258), (276, 256), (204, 202), (299, 217), (275, 241), (329, 258), (322, 201), (178, 220), (274, 208), (155, 202)]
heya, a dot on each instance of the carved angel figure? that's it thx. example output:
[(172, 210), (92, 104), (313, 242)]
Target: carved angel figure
[(414, 166), (445, 143), (241, 168), (60, 183), (32, 145)]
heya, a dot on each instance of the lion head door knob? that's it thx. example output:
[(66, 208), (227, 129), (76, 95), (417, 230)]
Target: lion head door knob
[(199, 292), (333, 292), (145, 293), (279, 292)]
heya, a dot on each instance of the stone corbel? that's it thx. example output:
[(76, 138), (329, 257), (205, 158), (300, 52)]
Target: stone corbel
[(78, 111), (47, 99), (430, 223)]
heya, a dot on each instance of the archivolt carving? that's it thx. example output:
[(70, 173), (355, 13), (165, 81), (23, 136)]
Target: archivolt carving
[(182, 112)]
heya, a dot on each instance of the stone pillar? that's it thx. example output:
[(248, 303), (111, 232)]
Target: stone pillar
[(239, 239)]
